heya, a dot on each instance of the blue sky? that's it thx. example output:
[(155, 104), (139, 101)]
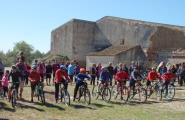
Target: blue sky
[(33, 20)]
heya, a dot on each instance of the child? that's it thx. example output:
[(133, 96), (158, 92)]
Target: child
[(34, 78), (5, 81)]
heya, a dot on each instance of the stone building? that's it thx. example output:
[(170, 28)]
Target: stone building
[(77, 38), (115, 55)]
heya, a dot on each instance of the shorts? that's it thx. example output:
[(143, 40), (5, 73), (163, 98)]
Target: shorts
[(33, 87), (48, 75)]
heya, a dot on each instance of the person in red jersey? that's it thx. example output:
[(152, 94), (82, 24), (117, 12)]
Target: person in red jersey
[(121, 78)]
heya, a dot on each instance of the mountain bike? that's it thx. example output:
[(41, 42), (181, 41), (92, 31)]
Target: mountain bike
[(164, 94), (139, 93), (102, 90), (64, 95), (116, 91), (84, 93), (13, 94), (39, 92)]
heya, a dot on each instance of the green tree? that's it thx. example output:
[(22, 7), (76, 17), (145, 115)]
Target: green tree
[(26, 48), (37, 54)]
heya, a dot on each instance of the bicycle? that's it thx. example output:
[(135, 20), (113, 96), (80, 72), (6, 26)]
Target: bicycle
[(64, 95), (162, 93), (39, 92), (153, 88), (139, 90), (103, 90), (13, 95), (116, 91), (84, 92)]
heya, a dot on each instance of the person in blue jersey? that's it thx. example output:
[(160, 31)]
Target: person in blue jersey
[(79, 80)]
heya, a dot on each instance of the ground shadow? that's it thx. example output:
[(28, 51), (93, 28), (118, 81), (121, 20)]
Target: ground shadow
[(179, 99), (79, 106), (4, 106), (26, 106), (101, 105), (49, 105), (49, 92)]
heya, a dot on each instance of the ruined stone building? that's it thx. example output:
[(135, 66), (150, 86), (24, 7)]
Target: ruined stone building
[(113, 39)]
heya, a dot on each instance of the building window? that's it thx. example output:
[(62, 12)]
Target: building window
[(122, 42)]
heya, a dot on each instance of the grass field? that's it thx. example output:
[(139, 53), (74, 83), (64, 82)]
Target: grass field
[(98, 110)]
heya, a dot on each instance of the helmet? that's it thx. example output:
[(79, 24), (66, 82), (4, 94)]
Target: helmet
[(63, 67), (33, 67), (82, 70), (13, 67)]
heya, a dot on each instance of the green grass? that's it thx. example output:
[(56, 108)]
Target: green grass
[(100, 110)]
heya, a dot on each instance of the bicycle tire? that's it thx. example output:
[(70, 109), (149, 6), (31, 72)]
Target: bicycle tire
[(87, 95), (94, 91), (13, 98), (142, 93), (106, 92), (66, 97)]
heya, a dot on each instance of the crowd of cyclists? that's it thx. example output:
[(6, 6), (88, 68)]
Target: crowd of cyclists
[(54, 73)]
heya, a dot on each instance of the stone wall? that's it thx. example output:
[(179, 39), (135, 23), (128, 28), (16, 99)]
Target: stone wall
[(62, 40), (77, 38), (104, 60)]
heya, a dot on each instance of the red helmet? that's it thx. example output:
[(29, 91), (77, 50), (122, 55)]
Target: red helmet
[(82, 70)]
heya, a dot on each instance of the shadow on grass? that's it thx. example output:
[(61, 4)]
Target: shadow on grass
[(49, 92), (101, 105), (26, 106), (49, 105), (81, 106), (3, 106), (179, 99)]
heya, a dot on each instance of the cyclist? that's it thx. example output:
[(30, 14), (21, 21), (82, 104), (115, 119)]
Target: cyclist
[(152, 75), (15, 75), (79, 80), (5, 81), (61, 76), (34, 78), (104, 77), (121, 78), (134, 77), (167, 77), (22, 70)]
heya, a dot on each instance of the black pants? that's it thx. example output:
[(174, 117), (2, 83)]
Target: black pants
[(78, 84), (93, 77), (132, 83), (57, 86), (165, 85), (5, 89)]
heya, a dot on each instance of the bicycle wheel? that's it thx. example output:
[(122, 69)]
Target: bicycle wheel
[(66, 97), (170, 94), (87, 96), (115, 92), (125, 94), (106, 94), (142, 94), (159, 93), (13, 98), (94, 91), (80, 93)]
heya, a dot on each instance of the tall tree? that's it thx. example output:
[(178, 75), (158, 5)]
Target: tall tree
[(26, 48)]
